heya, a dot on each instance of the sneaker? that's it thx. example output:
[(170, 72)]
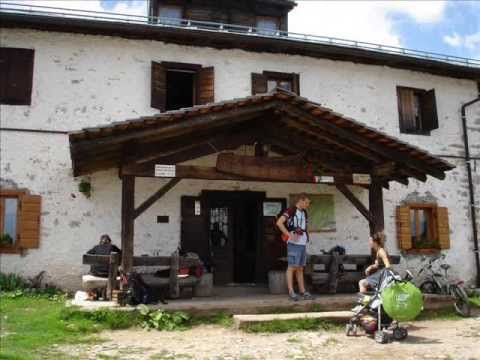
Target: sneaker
[(293, 297), (307, 296)]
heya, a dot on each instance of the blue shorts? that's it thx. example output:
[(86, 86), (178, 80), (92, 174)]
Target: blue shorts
[(296, 255)]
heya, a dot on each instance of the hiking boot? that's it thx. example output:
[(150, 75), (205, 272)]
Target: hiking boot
[(293, 296), (307, 296)]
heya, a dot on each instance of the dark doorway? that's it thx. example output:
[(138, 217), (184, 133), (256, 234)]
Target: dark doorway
[(235, 236), (180, 89)]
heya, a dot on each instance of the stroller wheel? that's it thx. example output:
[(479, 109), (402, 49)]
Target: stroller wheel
[(400, 333), (351, 329), (381, 337)]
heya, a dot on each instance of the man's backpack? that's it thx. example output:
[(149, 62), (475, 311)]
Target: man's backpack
[(137, 291)]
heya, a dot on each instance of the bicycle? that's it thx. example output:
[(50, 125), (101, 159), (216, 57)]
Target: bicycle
[(438, 283)]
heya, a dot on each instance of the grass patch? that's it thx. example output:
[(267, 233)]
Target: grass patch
[(284, 326), (439, 314), (475, 301), (221, 319), (32, 325)]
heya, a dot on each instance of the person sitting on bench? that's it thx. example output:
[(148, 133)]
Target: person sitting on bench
[(105, 247)]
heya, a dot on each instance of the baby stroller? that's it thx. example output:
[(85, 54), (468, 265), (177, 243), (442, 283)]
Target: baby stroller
[(370, 315)]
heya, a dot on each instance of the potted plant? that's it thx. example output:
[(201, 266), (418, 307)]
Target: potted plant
[(85, 187), (6, 240)]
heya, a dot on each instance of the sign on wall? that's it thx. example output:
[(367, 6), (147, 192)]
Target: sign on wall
[(165, 171), (272, 208), (361, 179), (321, 213)]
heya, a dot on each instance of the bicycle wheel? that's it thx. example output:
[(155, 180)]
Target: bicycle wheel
[(430, 287), (462, 304)]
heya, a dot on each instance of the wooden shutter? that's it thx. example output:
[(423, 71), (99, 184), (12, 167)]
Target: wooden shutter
[(296, 83), (16, 76), (159, 86), (30, 208), (259, 84), (406, 109), (205, 86), (429, 110), (443, 228), (404, 232)]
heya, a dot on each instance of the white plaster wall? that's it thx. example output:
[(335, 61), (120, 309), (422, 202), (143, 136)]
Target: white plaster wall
[(82, 81)]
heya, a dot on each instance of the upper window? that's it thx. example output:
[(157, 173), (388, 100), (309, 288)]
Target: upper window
[(269, 80), (16, 75), (170, 14), (423, 227), (417, 111), (19, 221), (267, 25), (180, 85)]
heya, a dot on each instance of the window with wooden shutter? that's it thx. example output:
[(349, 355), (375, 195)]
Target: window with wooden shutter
[(16, 76), (181, 85), (417, 110), (19, 221), (159, 86), (404, 234), (259, 84), (205, 86), (269, 80), (443, 228), (30, 209), (422, 228)]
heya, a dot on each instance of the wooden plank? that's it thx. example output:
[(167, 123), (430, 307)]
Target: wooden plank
[(88, 259), (174, 267), (241, 321), (156, 196), (151, 261)]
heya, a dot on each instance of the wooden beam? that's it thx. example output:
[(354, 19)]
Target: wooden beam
[(356, 202), (349, 137), (375, 199), (170, 129), (156, 196), (211, 173), (128, 221)]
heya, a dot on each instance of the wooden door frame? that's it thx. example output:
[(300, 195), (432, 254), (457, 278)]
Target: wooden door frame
[(210, 196)]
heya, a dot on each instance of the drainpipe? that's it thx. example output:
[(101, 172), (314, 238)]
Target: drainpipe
[(468, 160)]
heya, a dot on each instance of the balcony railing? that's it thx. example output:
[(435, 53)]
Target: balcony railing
[(47, 11)]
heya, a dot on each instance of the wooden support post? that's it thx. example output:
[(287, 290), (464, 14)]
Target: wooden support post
[(333, 273), (375, 197), (174, 267), (112, 274), (128, 220)]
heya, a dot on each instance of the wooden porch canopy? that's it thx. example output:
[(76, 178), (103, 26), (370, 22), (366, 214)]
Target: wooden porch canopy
[(289, 123), (332, 144)]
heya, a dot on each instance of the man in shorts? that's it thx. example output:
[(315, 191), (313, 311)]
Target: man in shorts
[(293, 225)]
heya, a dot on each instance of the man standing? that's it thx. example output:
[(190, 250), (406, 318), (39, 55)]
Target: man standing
[(293, 225)]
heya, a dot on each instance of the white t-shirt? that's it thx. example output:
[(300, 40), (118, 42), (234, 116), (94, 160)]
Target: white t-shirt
[(299, 220)]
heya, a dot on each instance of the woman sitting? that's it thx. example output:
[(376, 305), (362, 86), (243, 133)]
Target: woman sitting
[(374, 271)]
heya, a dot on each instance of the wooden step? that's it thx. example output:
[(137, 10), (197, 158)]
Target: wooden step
[(241, 321)]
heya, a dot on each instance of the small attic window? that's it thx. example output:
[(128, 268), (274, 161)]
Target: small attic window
[(267, 25), (170, 14)]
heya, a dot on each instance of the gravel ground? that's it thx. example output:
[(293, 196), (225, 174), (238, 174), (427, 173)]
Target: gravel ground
[(434, 339)]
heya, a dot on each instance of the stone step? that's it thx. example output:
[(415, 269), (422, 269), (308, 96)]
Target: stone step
[(241, 321)]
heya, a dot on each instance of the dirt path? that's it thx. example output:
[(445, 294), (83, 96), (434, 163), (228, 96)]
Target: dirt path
[(438, 339)]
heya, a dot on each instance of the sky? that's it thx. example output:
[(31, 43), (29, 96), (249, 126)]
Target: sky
[(449, 27)]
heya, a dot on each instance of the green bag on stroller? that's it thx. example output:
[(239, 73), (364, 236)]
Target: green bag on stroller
[(402, 301)]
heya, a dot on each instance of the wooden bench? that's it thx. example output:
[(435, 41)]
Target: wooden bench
[(323, 270), (174, 263)]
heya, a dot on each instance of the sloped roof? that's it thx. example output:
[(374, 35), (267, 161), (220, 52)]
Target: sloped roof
[(280, 118)]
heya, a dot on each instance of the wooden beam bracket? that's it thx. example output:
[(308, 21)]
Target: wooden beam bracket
[(356, 202), (156, 196)]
